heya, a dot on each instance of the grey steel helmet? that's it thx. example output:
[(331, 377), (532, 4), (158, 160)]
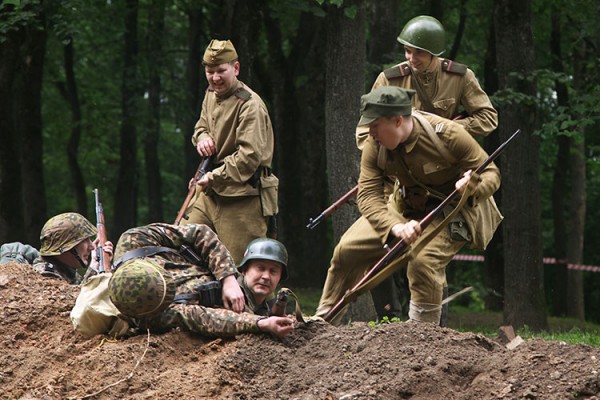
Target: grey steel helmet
[(266, 249), (63, 232), (425, 33)]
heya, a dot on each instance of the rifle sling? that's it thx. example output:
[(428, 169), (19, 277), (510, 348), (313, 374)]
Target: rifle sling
[(427, 105)]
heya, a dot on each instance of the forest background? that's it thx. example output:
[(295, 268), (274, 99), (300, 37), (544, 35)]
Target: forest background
[(105, 94)]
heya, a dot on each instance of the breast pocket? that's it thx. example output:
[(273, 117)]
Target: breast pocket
[(433, 168), (445, 105)]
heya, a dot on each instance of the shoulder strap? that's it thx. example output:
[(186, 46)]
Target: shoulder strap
[(440, 146), (243, 94), (453, 67), (146, 251), (397, 71)]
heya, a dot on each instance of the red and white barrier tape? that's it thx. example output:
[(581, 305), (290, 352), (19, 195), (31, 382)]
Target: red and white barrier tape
[(545, 260)]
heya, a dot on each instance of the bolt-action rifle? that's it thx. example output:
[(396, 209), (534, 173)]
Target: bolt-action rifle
[(312, 222), (200, 172), (401, 246), (103, 261)]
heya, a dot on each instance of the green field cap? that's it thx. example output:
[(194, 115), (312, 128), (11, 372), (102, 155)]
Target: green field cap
[(385, 101)]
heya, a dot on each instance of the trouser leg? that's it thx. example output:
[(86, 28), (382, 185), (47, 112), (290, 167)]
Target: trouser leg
[(427, 275)]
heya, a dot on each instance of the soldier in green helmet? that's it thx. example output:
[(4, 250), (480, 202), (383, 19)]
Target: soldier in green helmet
[(159, 284), (68, 244), (238, 197), (442, 87)]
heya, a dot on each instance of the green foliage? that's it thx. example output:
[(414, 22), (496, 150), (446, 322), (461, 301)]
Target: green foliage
[(384, 320)]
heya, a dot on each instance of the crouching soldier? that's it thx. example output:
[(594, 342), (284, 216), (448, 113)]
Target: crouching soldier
[(170, 276)]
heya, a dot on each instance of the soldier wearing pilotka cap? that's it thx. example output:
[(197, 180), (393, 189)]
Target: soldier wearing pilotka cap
[(239, 194), (406, 146)]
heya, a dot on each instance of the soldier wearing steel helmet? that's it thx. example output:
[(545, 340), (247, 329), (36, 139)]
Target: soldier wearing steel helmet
[(238, 196), (160, 287), (68, 244), (442, 86)]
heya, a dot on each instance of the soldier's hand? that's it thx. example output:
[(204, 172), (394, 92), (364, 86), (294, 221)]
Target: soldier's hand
[(466, 183), (280, 326), (233, 297), (206, 147), (409, 232)]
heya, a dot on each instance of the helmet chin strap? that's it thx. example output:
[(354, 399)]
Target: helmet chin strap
[(78, 258)]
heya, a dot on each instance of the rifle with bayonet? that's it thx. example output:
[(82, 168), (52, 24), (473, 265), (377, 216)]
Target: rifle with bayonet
[(104, 264), (312, 222), (401, 246), (203, 168)]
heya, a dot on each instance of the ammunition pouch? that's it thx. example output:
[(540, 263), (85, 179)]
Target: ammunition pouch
[(268, 185), (208, 294), (457, 227)]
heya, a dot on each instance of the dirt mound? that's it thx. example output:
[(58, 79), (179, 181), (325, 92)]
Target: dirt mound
[(41, 357)]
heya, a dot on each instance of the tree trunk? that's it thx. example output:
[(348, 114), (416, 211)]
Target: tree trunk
[(28, 121), (524, 301), (156, 25), (384, 29), (125, 213), (559, 183), (11, 204), (70, 94), (344, 72)]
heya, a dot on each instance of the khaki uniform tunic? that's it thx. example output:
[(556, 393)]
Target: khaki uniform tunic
[(362, 245), (217, 265), (447, 91), (238, 122)]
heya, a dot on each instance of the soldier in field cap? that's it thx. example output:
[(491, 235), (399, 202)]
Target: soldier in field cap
[(428, 157), (443, 87), (238, 196)]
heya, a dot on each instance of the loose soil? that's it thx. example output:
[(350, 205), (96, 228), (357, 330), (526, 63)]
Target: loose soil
[(41, 357)]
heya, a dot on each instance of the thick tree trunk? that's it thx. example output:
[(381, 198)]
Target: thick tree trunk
[(345, 82), (125, 214), (154, 52), (11, 205), (559, 184), (27, 111), (524, 301), (384, 29)]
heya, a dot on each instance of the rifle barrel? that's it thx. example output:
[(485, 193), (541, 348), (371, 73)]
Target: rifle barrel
[(313, 222)]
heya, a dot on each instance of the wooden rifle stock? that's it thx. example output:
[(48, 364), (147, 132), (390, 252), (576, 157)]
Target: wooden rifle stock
[(103, 261), (401, 246), (202, 169), (312, 222)]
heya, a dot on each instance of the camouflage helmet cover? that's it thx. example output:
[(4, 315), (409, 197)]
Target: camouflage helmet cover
[(63, 232), (266, 249), (425, 33), (141, 288)]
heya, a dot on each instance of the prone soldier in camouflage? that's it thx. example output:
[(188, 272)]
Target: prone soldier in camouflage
[(69, 244), (240, 192), (406, 146), (442, 87), (155, 250)]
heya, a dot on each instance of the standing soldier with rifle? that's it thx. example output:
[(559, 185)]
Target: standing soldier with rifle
[(429, 157), (238, 197)]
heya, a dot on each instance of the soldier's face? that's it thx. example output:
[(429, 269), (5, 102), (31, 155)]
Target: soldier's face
[(262, 276), (386, 132), (221, 77), (419, 59)]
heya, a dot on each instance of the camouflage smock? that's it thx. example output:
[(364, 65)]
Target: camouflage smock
[(217, 264), (56, 270)]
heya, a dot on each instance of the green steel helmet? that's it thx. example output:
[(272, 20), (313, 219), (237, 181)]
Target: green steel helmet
[(266, 249), (140, 288), (63, 232), (425, 33)]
